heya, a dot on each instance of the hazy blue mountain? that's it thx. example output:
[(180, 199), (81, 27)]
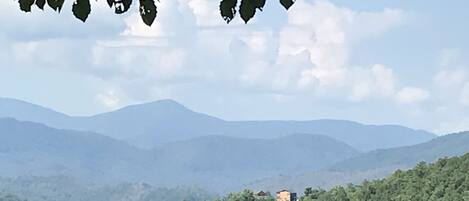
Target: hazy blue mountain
[(371, 165), (229, 162), (292, 153), (444, 146), (164, 120), (214, 162), (4, 196), (33, 149), (151, 124), (60, 188), (362, 137), (22, 110)]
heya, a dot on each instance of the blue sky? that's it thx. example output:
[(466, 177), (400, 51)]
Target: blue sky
[(378, 62)]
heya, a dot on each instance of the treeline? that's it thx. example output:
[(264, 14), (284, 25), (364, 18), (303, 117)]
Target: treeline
[(246, 195), (9, 197), (445, 180), (61, 188)]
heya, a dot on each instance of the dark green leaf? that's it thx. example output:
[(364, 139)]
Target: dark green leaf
[(110, 3), (81, 9), (247, 9), (56, 4), (120, 6), (148, 11), (228, 9), (260, 4), (40, 4), (287, 3), (25, 5)]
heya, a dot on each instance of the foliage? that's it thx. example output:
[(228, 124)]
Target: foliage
[(445, 180), (62, 188), (148, 10), (246, 195), (9, 197)]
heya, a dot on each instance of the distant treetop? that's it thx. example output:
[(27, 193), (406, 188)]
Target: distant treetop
[(148, 10)]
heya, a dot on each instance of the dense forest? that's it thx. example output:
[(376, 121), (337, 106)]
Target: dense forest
[(246, 195), (68, 189), (445, 180), (9, 197)]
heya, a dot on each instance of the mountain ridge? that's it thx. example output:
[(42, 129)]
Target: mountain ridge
[(371, 165), (150, 124), (29, 148)]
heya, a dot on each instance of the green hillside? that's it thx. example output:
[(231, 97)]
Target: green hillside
[(445, 180), (371, 165), (9, 197), (32, 188), (444, 146)]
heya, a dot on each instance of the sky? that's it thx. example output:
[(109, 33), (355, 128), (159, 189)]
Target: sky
[(375, 62)]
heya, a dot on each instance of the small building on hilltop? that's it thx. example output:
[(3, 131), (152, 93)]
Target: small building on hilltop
[(285, 195), (262, 194)]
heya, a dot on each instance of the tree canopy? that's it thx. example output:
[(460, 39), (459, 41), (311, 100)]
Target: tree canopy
[(445, 180), (148, 10), (246, 195)]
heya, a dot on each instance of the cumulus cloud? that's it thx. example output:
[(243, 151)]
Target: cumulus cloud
[(450, 77), (308, 54), (378, 80), (189, 44), (110, 99), (451, 84), (412, 95), (465, 95)]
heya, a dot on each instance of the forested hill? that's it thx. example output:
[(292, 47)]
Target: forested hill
[(445, 180), (9, 197), (450, 145)]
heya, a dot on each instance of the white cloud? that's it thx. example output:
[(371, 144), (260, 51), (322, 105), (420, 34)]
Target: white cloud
[(384, 79), (189, 42), (378, 80), (308, 55), (465, 95), (409, 95), (449, 126), (111, 99), (450, 77), (327, 31)]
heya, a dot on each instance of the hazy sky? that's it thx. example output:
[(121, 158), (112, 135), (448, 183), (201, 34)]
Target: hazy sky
[(380, 62)]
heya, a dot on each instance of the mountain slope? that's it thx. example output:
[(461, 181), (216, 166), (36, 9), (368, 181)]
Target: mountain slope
[(247, 158), (215, 162), (25, 111), (35, 149), (62, 188), (444, 146), (362, 137), (152, 124), (167, 120), (446, 179), (371, 165)]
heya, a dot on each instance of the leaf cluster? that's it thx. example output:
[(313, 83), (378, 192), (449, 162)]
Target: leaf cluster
[(82, 8), (148, 9)]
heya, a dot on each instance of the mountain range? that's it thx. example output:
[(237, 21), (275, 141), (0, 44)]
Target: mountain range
[(371, 165), (34, 149), (166, 144), (151, 124)]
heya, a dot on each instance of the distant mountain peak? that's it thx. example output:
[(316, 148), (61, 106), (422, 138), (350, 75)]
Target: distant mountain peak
[(166, 104), (22, 110)]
